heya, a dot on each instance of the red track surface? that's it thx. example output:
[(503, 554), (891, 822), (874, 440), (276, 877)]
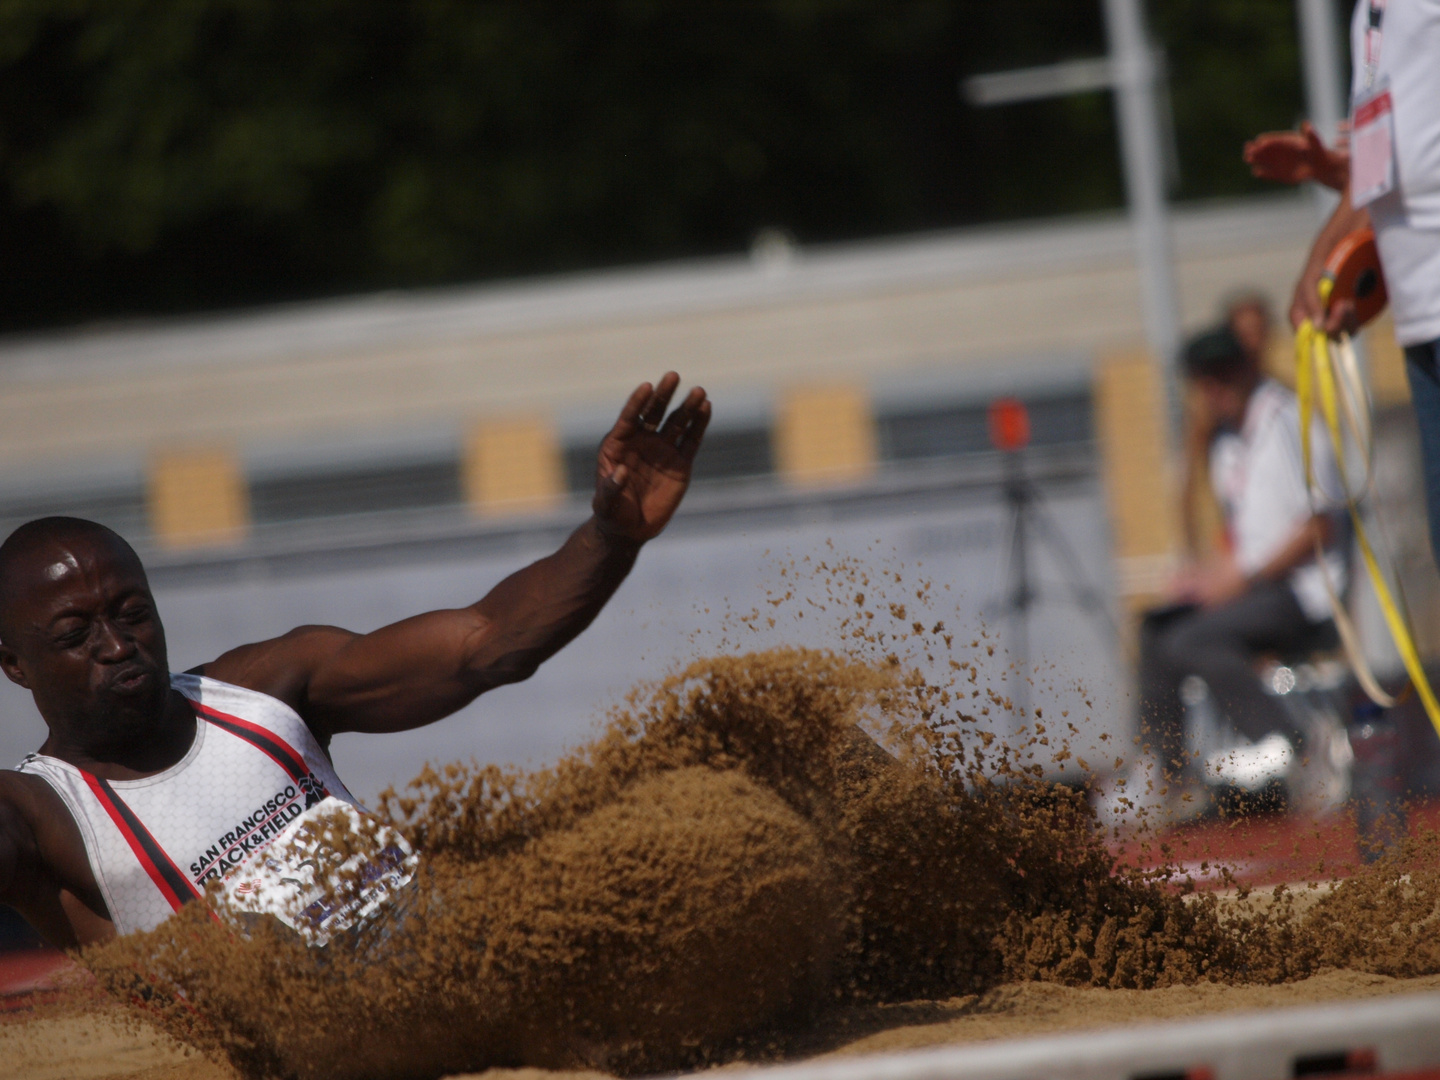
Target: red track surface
[(30, 976), (1268, 849)]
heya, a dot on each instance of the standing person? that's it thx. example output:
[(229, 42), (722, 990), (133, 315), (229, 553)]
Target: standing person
[(151, 784), (1392, 183), (1264, 592), (1247, 315)]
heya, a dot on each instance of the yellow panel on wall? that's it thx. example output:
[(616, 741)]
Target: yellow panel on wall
[(1209, 518), (198, 497), (825, 435), (513, 466), (1135, 459), (1278, 360)]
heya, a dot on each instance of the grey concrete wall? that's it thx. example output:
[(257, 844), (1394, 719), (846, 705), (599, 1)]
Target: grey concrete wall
[(670, 610)]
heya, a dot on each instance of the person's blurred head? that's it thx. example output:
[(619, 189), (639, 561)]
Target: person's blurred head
[(1247, 314), (1225, 373)]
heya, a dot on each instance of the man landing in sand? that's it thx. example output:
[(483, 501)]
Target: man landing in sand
[(150, 785)]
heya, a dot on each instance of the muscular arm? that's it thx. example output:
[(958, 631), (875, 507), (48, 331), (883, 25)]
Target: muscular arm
[(17, 849), (25, 883), (44, 872), (421, 669)]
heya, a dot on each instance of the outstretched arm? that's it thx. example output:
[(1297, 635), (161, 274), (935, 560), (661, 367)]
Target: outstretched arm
[(419, 670)]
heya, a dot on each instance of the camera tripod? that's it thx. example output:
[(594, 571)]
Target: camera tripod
[(1027, 513)]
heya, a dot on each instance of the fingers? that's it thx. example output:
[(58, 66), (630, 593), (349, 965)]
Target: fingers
[(1278, 155), (1305, 303), (1268, 141), (645, 410), (1341, 318), (1258, 146), (690, 443), (678, 420), (659, 400), (1302, 310), (686, 425), (630, 413)]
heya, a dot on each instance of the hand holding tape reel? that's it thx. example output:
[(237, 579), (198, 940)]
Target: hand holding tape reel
[(1353, 282)]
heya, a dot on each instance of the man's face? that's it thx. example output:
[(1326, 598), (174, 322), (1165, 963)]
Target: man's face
[(1251, 327), (83, 636), (1225, 399)]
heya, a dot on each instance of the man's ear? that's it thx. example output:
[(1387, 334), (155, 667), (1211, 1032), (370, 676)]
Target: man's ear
[(10, 664)]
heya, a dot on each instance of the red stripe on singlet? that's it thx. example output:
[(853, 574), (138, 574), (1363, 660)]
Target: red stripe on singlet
[(173, 885), (263, 739)]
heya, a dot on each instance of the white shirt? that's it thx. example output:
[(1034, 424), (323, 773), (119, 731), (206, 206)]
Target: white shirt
[(1259, 478), (1407, 220), (227, 810)]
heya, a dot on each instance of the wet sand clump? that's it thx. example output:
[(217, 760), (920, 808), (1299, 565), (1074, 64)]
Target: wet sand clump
[(734, 857)]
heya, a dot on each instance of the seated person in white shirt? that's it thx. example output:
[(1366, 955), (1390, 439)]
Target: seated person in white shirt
[(1266, 591)]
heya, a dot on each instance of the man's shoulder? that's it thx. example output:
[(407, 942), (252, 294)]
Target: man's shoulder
[(1273, 405), (1274, 392), (262, 665), (280, 667), (27, 793)]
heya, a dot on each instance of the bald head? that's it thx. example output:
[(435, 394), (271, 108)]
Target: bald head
[(46, 550), (79, 630)]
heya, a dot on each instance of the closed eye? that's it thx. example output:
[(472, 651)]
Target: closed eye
[(72, 638)]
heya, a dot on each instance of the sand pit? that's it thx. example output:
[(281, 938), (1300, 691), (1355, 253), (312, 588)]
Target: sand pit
[(97, 1045), (735, 871), (101, 1046)]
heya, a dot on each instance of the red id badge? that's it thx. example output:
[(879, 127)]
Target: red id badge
[(1372, 146)]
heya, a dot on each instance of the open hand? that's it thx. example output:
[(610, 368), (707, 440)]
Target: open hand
[(644, 463), (1292, 157)]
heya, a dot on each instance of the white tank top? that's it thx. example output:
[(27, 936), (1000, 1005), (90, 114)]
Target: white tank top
[(253, 769)]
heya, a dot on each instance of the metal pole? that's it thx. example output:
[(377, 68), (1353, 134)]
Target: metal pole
[(1324, 93), (1022, 594), (1325, 96), (1133, 65)]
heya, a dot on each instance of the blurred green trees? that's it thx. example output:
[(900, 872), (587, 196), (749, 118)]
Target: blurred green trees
[(162, 155)]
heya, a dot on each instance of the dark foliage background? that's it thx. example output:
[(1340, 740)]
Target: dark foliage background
[(163, 155)]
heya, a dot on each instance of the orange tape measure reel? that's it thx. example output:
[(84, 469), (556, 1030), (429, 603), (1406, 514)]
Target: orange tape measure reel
[(1352, 272)]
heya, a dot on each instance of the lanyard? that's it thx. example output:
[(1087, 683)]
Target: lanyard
[(1374, 20)]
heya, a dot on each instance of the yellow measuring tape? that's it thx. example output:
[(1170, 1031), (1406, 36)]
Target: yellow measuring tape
[(1316, 367)]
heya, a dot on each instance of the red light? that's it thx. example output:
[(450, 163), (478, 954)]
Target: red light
[(1009, 424)]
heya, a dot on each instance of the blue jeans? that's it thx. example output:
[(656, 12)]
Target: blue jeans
[(1421, 363)]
